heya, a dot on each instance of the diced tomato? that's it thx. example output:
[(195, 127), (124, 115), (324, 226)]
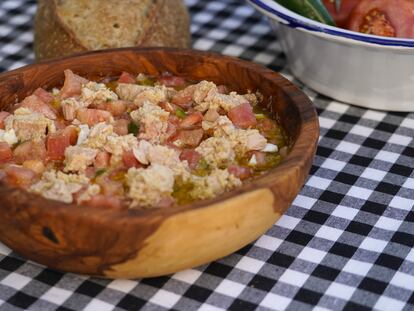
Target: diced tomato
[(92, 116), (172, 133), (191, 138), (61, 124), (90, 172), (383, 18), (121, 127), (222, 89), (34, 103), (3, 116), (109, 186), (69, 112), (105, 202), (191, 120), (129, 159), (43, 95), (57, 143), (6, 154), (72, 85), (168, 106), (36, 166), (211, 115), (171, 80), (165, 202), (260, 158), (72, 133), (102, 160), (30, 150), (241, 172), (191, 156), (19, 176), (116, 107), (126, 77), (340, 17), (242, 116), (184, 98)]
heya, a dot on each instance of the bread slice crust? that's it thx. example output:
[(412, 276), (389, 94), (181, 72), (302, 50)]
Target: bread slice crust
[(64, 27)]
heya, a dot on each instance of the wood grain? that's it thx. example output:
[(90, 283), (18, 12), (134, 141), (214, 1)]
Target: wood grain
[(133, 244)]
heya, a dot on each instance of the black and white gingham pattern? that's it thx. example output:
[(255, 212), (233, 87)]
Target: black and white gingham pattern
[(346, 242)]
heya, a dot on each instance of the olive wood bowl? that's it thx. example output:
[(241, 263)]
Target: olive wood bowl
[(147, 243)]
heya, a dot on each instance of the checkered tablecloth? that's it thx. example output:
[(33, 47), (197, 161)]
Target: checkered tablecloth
[(346, 243)]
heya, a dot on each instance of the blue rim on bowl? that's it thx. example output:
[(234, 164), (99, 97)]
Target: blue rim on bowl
[(294, 20)]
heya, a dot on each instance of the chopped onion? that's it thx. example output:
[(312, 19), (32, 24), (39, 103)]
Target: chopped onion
[(270, 148)]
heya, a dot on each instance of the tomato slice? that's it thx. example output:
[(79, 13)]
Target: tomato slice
[(384, 18), (340, 17)]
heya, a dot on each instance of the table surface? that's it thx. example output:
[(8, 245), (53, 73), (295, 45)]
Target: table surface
[(345, 243)]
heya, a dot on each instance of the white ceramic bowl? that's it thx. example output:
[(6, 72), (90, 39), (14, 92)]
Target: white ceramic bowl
[(365, 70)]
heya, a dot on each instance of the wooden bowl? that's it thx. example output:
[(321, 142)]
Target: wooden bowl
[(147, 243)]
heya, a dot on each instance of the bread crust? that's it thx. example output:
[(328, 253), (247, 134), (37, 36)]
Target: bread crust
[(165, 24)]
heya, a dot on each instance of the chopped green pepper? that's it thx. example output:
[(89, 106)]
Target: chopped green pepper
[(180, 113), (133, 128), (313, 9), (99, 172)]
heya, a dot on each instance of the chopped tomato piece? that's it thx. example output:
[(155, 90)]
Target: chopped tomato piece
[(105, 202), (3, 116), (211, 115), (116, 107), (90, 172), (191, 156), (59, 141), (36, 166), (168, 106), (109, 186), (191, 138), (191, 120), (242, 116), (165, 202), (19, 176), (171, 80), (102, 160), (92, 116), (222, 89), (241, 172), (6, 154), (129, 159), (121, 127), (34, 103), (172, 133), (383, 18), (184, 98), (126, 77), (43, 95), (260, 158), (30, 150), (72, 85), (340, 17)]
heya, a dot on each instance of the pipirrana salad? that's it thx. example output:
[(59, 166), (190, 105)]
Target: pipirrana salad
[(137, 141)]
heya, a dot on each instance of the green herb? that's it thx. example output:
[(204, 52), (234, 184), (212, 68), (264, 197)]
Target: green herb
[(313, 9), (99, 172), (146, 81), (202, 169), (133, 128), (259, 116), (180, 113)]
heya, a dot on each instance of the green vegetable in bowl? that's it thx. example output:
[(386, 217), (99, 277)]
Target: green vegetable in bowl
[(313, 9)]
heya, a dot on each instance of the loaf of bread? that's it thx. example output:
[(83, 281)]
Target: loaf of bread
[(64, 27)]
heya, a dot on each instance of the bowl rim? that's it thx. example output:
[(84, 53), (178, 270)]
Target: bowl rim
[(294, 20), (306, 113)]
